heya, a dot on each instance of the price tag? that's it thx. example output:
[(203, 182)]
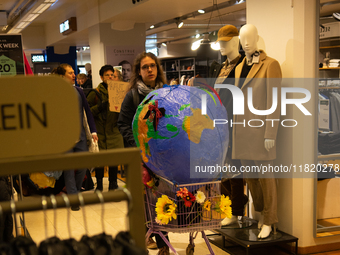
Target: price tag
[(7, 66)]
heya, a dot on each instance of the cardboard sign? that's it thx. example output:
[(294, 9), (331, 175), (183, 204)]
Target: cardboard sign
[(38, 116), (117, 91)]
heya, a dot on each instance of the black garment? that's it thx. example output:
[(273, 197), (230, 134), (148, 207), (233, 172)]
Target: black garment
[(127, 112), (235, 190), (244, 73), (87, 84), (6, 222), (329, 143), (113, 170), (23, 245)]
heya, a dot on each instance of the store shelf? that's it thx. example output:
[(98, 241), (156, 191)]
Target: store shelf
[(329, 47), (329, 68)]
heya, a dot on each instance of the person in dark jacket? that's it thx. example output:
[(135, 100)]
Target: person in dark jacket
[(147, 76), (106, 123), (74, 179), (83, 81)]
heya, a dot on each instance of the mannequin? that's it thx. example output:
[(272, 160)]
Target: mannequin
[(257, 146), (229, 46)]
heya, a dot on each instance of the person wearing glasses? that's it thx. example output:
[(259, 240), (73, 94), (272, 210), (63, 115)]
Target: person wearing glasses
[(106, 122), (147, 75)]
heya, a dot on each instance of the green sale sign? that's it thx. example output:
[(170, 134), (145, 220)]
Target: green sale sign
[(11, 55)]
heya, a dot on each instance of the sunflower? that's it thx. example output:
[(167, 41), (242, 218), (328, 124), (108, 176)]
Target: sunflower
[(207, 205), (165, 209), (225, 207)]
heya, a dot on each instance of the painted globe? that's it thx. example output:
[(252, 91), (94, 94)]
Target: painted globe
[(177, 135)]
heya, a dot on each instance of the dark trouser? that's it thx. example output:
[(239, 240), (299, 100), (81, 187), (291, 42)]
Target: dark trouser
[(159, 240), (235, 190), (113, 170), (74, 179)]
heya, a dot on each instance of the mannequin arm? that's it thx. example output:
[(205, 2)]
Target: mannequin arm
[(269, 143)]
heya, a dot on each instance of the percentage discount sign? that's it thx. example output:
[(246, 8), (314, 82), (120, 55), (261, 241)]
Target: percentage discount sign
[(7, 66)]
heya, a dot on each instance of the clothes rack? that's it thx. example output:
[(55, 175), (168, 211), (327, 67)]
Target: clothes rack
[(129, 157)]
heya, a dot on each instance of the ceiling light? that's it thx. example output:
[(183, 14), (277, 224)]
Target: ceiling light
[(336, 16), (201, 11), (179, 22), (164, 44), (31, 17), (23, 24), (49, 1), (215, 45), (206, 40), (197, 36), (41, 8), (151, 27), (195, 45), (240, 1)]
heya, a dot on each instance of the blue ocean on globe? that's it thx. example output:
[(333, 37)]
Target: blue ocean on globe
[(176, 140)]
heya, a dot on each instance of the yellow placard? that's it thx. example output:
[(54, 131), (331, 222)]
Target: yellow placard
[(38, 116), (117, 91)]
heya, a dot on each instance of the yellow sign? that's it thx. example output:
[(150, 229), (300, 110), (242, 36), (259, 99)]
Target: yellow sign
[(38, 116), (117, 91)]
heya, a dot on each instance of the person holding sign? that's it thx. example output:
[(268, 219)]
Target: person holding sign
[(74, 179), (106, 122)]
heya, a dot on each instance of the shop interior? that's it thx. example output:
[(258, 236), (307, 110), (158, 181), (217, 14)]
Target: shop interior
[(172, 30)]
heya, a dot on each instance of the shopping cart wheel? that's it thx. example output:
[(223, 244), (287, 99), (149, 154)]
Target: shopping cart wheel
[(190, 249)]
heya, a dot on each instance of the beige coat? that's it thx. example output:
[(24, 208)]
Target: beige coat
[(248, 142)]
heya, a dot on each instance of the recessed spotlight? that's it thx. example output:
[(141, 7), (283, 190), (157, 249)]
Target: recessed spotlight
[(201, 11)]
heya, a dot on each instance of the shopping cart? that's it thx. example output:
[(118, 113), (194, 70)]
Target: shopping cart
[(192, 219)]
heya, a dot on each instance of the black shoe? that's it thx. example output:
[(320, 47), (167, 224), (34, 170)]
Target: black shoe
[(75, 208), (100, 185), (113, 185)]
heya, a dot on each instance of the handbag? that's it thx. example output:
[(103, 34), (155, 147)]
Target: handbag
[(92, 145)]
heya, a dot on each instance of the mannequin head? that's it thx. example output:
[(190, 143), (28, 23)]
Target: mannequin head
[(230, 48), (249, 38), (229, 41)]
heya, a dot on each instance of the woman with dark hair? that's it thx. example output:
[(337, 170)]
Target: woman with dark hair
[(147, 76), (74, 179)]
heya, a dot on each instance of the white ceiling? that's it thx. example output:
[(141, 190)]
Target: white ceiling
[(153, 12)]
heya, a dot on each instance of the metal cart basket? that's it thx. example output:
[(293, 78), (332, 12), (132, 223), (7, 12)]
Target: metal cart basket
[(197, 217)]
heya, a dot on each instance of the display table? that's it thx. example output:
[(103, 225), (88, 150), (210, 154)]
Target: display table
[(242, 241)]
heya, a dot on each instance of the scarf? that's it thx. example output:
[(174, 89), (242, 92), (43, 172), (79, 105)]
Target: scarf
[(144, 89)]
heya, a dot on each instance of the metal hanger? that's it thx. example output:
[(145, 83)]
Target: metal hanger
[(54, 204), (101, 199), (13, 209), (44, 206), (130, 206), (82, 204), (67, 203)]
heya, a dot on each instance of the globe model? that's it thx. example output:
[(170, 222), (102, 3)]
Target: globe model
[(177, 140)]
